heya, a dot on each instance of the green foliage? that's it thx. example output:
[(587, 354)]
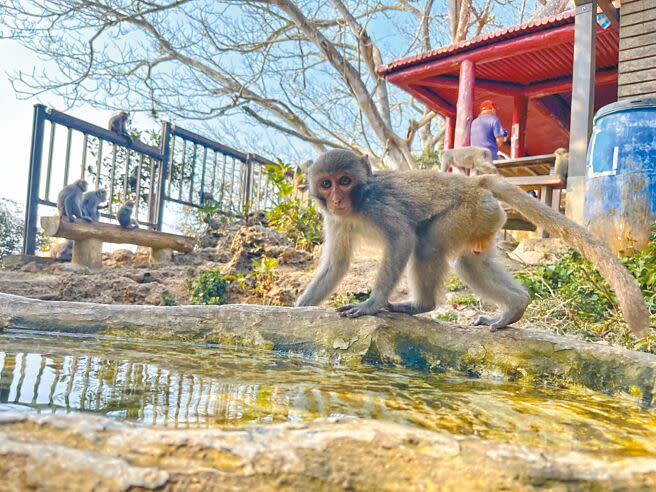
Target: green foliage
[(263, 274), (429, 159), (450, 316), (571, 296), (278, 176), (573, 278), (211, 287), (301, 222), (240, 279), (168, 299), (454, 284), (11, 227), (338, 300), (469, 300)]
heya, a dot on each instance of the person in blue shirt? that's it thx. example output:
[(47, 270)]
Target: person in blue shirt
[(486, 130)]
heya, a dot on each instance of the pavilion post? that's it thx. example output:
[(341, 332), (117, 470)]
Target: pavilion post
[(518, 131), (465, 105), (583, 94), (449, 128)]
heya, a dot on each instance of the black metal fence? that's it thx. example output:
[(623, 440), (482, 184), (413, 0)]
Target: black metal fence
[(186, 168)]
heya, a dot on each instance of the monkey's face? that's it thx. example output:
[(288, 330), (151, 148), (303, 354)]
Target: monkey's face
[(82, 184), (336, 190)]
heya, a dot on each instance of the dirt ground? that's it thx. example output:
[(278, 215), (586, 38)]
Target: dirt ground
[(127, 277)]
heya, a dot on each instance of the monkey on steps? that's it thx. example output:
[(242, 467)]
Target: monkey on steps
[(425, 219)]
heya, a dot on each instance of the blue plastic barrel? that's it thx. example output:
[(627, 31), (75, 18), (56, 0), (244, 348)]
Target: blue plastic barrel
[(620, 187)]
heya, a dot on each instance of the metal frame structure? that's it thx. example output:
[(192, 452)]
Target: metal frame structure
[(186, 169)]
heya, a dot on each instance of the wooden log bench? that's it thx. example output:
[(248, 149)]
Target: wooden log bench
[(533, 173), (89, 236)]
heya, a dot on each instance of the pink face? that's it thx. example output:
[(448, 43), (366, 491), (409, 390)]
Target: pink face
[(336, 190)]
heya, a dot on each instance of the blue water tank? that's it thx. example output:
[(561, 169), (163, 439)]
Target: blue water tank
[(620, 187)]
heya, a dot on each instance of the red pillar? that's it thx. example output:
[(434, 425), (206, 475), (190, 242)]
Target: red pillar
[(465, 106), (518, 130), (449, 128)]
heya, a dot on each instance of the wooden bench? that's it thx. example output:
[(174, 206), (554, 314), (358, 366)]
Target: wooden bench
[(89, 236), (533, 173)]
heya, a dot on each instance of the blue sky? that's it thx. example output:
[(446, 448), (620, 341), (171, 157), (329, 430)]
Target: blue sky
[(16, 124)]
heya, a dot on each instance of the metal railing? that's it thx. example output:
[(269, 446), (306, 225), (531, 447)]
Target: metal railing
[(186, 168)]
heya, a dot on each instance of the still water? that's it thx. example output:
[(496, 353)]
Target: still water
[(181, 386)]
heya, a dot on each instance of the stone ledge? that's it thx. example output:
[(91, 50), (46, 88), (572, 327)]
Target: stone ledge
[(84, 452), (387, 339)]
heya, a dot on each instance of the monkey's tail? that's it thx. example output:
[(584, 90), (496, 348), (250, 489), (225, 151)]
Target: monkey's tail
[(626, 288)]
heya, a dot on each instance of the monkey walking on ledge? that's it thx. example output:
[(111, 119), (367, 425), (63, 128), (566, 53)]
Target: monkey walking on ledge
[(427, 218)]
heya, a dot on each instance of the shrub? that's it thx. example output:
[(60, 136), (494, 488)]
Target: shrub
[(263, 274), (211, 287), (300, 221), (450, 316), (572, 297), (11, 227)]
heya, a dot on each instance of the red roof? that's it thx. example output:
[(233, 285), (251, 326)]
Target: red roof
[(534, 59), (482, 40)]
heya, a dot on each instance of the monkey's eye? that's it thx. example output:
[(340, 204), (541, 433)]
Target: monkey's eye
[(345, 181), (325, 184)]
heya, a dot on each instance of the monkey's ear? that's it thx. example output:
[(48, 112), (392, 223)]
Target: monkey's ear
[(366, 164)]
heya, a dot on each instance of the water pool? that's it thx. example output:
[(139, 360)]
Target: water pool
[(191, 386)]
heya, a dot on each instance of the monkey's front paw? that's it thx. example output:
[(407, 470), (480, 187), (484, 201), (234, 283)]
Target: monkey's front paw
[(357, 310), (486, 320)]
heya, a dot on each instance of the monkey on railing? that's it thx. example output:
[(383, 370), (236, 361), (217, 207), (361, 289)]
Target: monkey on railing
[(119, 124)]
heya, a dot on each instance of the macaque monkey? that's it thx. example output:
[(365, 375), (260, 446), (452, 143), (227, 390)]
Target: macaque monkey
[(69, 201), (426, 218), (477, 158), (124, 215), (119, 124), (62, 250), (562, 163), (91, 203)]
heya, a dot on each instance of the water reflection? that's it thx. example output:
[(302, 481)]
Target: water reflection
[(132, 390), (193, 386)]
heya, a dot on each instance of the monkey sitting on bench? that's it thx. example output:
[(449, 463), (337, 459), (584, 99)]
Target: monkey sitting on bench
[(69, 201), (426, 218)]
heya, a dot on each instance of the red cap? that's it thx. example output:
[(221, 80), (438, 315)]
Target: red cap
[(487, 105)]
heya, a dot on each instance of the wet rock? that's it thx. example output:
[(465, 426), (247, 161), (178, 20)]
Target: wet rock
[(386, 339), (84, 452)]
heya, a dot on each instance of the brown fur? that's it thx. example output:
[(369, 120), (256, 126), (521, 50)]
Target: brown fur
[(425, 218)]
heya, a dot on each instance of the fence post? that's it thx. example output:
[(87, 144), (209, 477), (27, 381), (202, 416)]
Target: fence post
[(165, 147), (33, 183), (249, 179)]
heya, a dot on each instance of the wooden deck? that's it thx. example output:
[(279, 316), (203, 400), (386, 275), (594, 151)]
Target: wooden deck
[(533, 173)]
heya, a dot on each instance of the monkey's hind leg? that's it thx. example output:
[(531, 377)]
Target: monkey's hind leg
[(426, 274), (493, 283)]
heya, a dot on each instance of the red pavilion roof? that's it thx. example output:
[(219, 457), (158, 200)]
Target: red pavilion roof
[(534, 59)]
